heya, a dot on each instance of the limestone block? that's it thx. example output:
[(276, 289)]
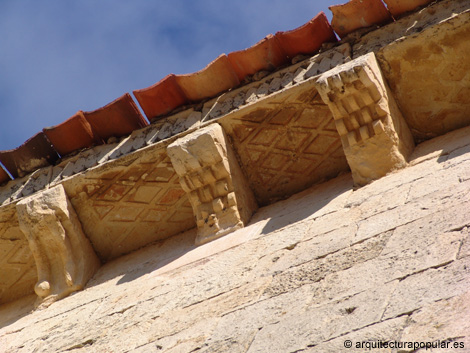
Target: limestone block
[(64, 257), (17, 266), (429, 73), (209, 172), (130, 202), (443, 321), (384, 331), (375, 137)]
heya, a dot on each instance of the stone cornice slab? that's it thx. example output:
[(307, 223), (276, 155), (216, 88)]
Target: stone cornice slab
[(283, 137)]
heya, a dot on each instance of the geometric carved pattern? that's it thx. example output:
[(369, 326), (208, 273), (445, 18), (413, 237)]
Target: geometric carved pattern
[(222, 201), (18, 273), (209, 186), (285, 148), (374, 135), (125, 206), (354, 101)]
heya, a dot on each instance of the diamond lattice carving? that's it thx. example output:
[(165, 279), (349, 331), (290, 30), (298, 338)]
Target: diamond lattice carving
[(18, 273), (128, 204), (284, 148)]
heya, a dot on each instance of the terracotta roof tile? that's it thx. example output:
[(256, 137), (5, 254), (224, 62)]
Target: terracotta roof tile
[(357, 14), (121, 117), (308, 38), (73, 134), (3, 176), (35, 153), (161, 98), (215, 78), (226, 72), (397, 7), (267, 54), (118, 118)]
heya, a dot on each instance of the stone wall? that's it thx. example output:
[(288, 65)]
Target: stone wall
[(378, 250), (388, 261)]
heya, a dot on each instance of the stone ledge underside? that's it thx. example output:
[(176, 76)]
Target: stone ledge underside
[(128, 195), (388, 261)]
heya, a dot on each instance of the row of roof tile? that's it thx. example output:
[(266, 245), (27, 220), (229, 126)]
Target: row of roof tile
[(121, 117), (228, 71), (357, 14), (83, 130)]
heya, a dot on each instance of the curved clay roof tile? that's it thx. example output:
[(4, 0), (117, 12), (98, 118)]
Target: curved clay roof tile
[(267, 54), (397, 7), (307, 38), (227, 71), (71, 135), (35, 153), (160, 98), (215, 78), (357, 14), (118, 118), (3, 176)]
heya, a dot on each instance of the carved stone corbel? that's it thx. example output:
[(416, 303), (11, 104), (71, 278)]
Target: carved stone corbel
[(375, 137), (65, 259), (209, 172)]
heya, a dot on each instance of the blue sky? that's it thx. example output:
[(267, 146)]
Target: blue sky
[(57, 57)]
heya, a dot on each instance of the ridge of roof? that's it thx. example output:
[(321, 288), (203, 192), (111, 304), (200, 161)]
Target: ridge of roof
[(121, 117)]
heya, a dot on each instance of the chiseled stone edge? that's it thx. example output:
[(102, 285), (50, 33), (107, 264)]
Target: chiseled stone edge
[(65, 259), (209, 172), (372, 41), (374, 134)]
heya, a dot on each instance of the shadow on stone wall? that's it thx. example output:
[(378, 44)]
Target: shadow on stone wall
[(309, 202)]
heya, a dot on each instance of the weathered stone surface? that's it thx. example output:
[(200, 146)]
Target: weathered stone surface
[(130, 202), (298, 278), (430, 75), (17, 267), (426, 287), (444, 147), (209, 172), (386, 331), (285, 148), (465, 248), (416, 209), (65, 260), (298, 272), (387, 261), (294, 327), (444, 321), (409, 26), (375, 138), (410, 250)]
